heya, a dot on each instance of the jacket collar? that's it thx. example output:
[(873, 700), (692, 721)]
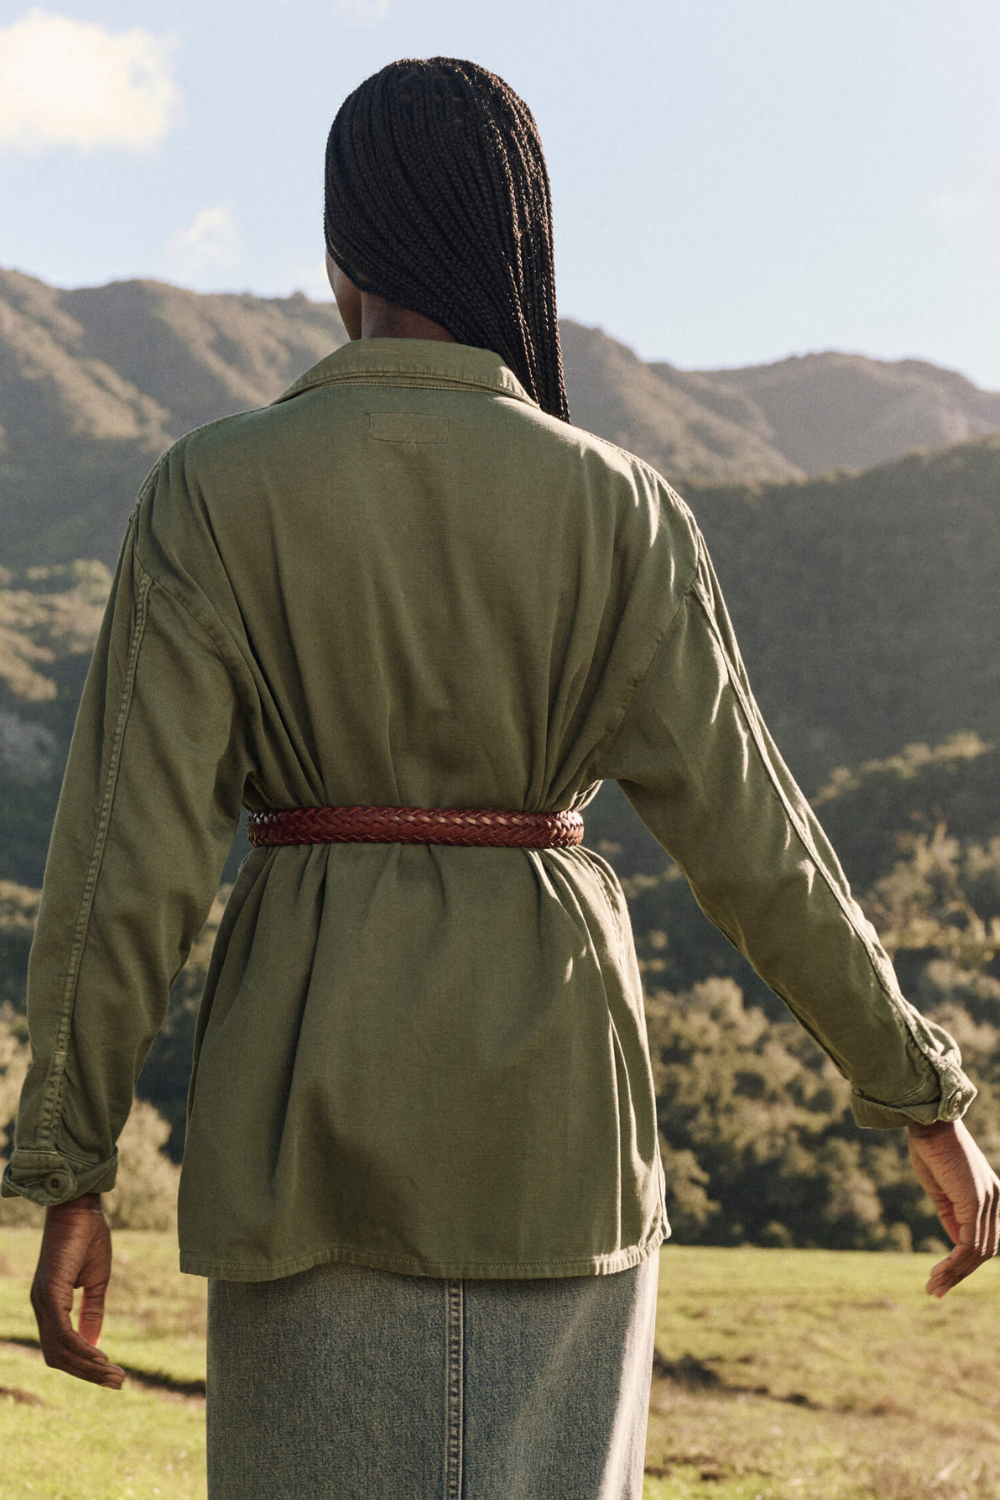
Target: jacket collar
[(411, 362)]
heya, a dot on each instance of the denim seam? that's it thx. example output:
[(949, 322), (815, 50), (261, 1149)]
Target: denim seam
[(454, 1360)]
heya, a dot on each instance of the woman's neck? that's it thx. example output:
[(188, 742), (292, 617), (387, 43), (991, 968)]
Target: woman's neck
[(385, 320)]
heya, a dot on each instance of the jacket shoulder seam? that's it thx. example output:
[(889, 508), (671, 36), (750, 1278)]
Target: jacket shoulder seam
[(651, 471)]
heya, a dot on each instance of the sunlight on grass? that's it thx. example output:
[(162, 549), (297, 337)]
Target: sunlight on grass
[(65, 1440), (61, 1437), (825, 1374), (821, 1373)]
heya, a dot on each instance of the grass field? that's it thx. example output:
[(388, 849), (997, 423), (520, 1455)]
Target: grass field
[(60, 1437), (781, 1374), (813, 1373)]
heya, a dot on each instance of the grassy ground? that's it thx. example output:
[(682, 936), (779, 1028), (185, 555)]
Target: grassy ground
[(61, 1439), (782, 1375), (810, 1373)]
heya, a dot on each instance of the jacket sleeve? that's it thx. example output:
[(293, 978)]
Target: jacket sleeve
[(695, 759), (149, 806)]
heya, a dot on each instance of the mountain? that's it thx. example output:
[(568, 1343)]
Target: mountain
[(613, 393), (866, 604), (836, 411), (96, 382)]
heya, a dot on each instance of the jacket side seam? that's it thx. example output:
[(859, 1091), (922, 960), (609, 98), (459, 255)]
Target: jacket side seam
[(219, 638), (55, 1080), (610, 738)]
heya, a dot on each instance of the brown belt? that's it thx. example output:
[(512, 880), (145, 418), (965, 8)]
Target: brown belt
[(415, 825)]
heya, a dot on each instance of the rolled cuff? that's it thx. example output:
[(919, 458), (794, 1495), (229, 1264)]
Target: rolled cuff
[(48, 1177), (956, 1094)]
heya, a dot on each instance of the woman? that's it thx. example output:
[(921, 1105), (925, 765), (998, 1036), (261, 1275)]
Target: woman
[(421, 1168)]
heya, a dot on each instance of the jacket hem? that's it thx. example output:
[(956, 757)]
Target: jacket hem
[(870, 1114), (624, 1259), (51, 1177)]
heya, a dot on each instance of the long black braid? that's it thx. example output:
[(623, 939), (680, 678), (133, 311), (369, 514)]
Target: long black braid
[(437, 198)]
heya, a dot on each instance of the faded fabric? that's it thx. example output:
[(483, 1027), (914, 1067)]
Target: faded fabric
[(403, 583), (361, 1384)]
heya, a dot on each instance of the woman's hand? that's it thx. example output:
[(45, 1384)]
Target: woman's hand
[(965, 1191), (76, 1251)]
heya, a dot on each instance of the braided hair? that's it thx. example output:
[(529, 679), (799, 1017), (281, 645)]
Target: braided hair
[(438, 199)]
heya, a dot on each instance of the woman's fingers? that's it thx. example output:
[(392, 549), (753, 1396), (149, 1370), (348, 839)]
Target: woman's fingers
[(993, 1228), (965, 1192), (76, 1357), (76, 1251), (91, 1317), (64, 1348), (961, 1262)]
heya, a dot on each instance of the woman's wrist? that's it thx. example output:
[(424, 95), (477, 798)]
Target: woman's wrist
[(936, 1127), (85, 1200)]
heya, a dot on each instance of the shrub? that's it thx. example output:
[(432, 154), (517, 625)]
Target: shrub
[(145, 1196)]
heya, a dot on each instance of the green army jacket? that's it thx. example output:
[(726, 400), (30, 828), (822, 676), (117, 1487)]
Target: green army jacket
[(403, 583)]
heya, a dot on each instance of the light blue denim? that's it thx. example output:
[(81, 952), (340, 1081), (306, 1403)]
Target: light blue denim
[(350, 1383)]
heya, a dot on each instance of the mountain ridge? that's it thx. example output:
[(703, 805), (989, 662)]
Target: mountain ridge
[(95, 382), (898, 559), (864, 601), (833, 410)]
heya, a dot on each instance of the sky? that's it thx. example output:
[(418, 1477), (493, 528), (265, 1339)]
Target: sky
[(733, 181)]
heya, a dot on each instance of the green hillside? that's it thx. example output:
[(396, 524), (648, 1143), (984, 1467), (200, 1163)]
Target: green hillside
[(865, 604), (668, 423), (96, 381), (49, 619)]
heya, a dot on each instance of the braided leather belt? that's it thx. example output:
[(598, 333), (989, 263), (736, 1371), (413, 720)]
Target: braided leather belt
[(415, 825)]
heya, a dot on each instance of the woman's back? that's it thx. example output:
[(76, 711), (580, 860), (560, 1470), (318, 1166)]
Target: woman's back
[(434, 595), (428, 581)]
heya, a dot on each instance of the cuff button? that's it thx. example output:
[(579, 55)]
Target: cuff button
[(56, 1183)]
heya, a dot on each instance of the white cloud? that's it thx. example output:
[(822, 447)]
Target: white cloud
[(72, 83), (363, 12), (211, 242)]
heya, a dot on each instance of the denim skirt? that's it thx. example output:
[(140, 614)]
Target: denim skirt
[(357, 1384)]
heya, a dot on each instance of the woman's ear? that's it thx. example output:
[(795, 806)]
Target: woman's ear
[(347, 297)]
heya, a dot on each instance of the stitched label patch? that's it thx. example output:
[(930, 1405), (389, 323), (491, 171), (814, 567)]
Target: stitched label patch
[(407, 427)]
